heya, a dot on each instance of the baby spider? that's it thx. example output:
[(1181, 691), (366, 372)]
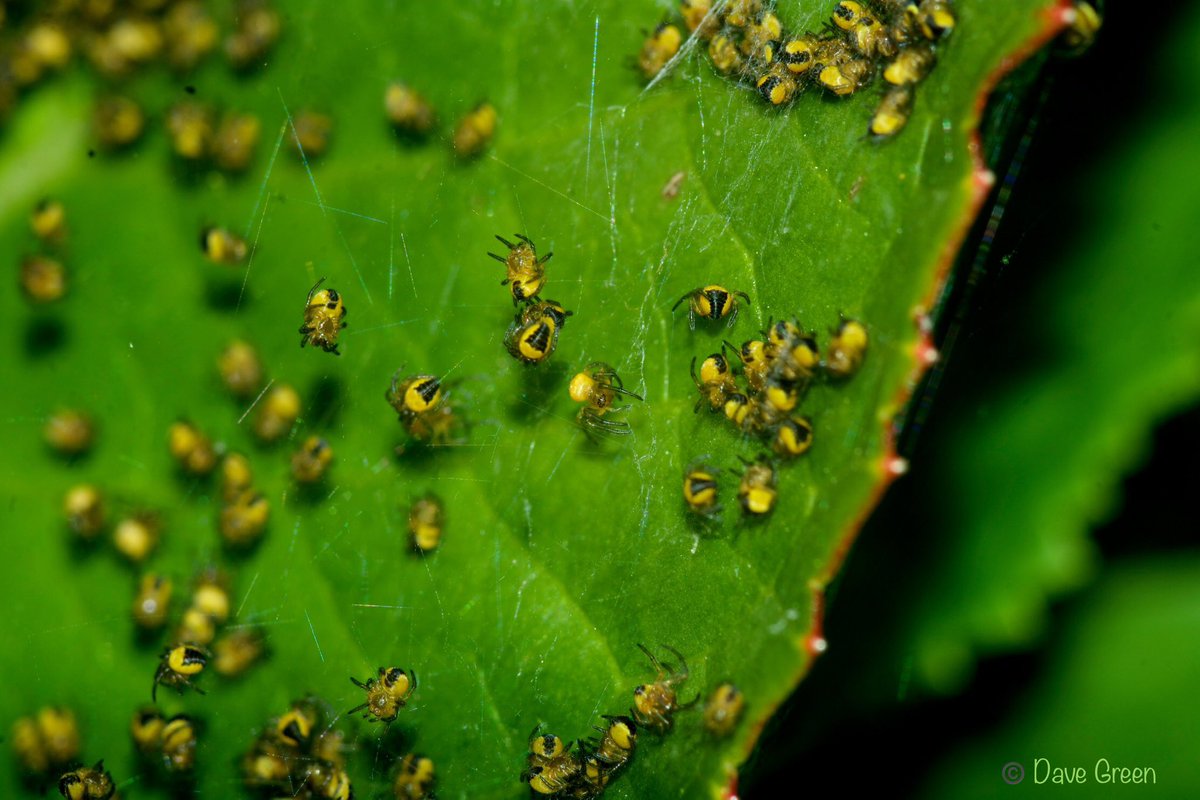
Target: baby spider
[(324, 318), (178, 666), (553, 765), (526, 272), (715, 381), (711, 302), (386, 695), (597, 387), (654, 704)]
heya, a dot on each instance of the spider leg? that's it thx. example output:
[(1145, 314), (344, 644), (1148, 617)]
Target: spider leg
[(313, 290)]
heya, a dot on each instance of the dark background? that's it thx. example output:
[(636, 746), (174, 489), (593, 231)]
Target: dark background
[(1079, 111)]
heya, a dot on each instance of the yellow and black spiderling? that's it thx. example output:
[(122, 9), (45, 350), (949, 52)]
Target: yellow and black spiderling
[(87, 783), (533, 335), (426, 519), (237, 651), (328, 782), (277, 412), (46, 741), (296, 727), (137, 536), (597, 387), (739, 410), (310, 134), (311, 461), (408, 111), (475, 131), (655, 704), (84, 508), (196, 628), (190, 128), (740, 13), (700, 490), (178, 667), (152, 602), (244, 518), (324, 318), (715, 381), (49, 221), (1082, 29), (414, 778), (117, 122), (235, 141), (659, 48), (756, 492), (266, 765), (755, 363), (911, 65), (330, 746), (846, 78), (43, 279), (178, 744), (698, 17), (791, 353), (778, 85), (761, 34), (724, 54), (797, 54), (792, 437), (146, 730), (221, 246), (210, 594), (258, 28), (190, 33), (526, 272), (236, 476), (552, 766), (846, 350), (194, 452), (935, 19), (422, 407), (617, 742), (240, 368), (724, 709), (712, 302), (386, 694), (415, 395), (872, 39), (847, 13)]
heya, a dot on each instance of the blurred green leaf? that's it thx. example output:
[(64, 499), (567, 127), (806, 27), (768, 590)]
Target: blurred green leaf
[(558, 556), (1109, 345), (1112, 695)]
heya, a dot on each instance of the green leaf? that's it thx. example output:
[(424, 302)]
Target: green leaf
[(1101, 703), (1031, 456), (559, 555)]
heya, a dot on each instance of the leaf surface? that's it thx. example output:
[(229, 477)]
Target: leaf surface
[(559, 555)]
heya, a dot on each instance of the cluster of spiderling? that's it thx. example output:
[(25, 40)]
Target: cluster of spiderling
[(583, 769), (166, 742), (414, 119), (532, 338), (47, 747), (120, 40), (746, 39), (43, 275), (776, 372), (45, 743), (300, 753)]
